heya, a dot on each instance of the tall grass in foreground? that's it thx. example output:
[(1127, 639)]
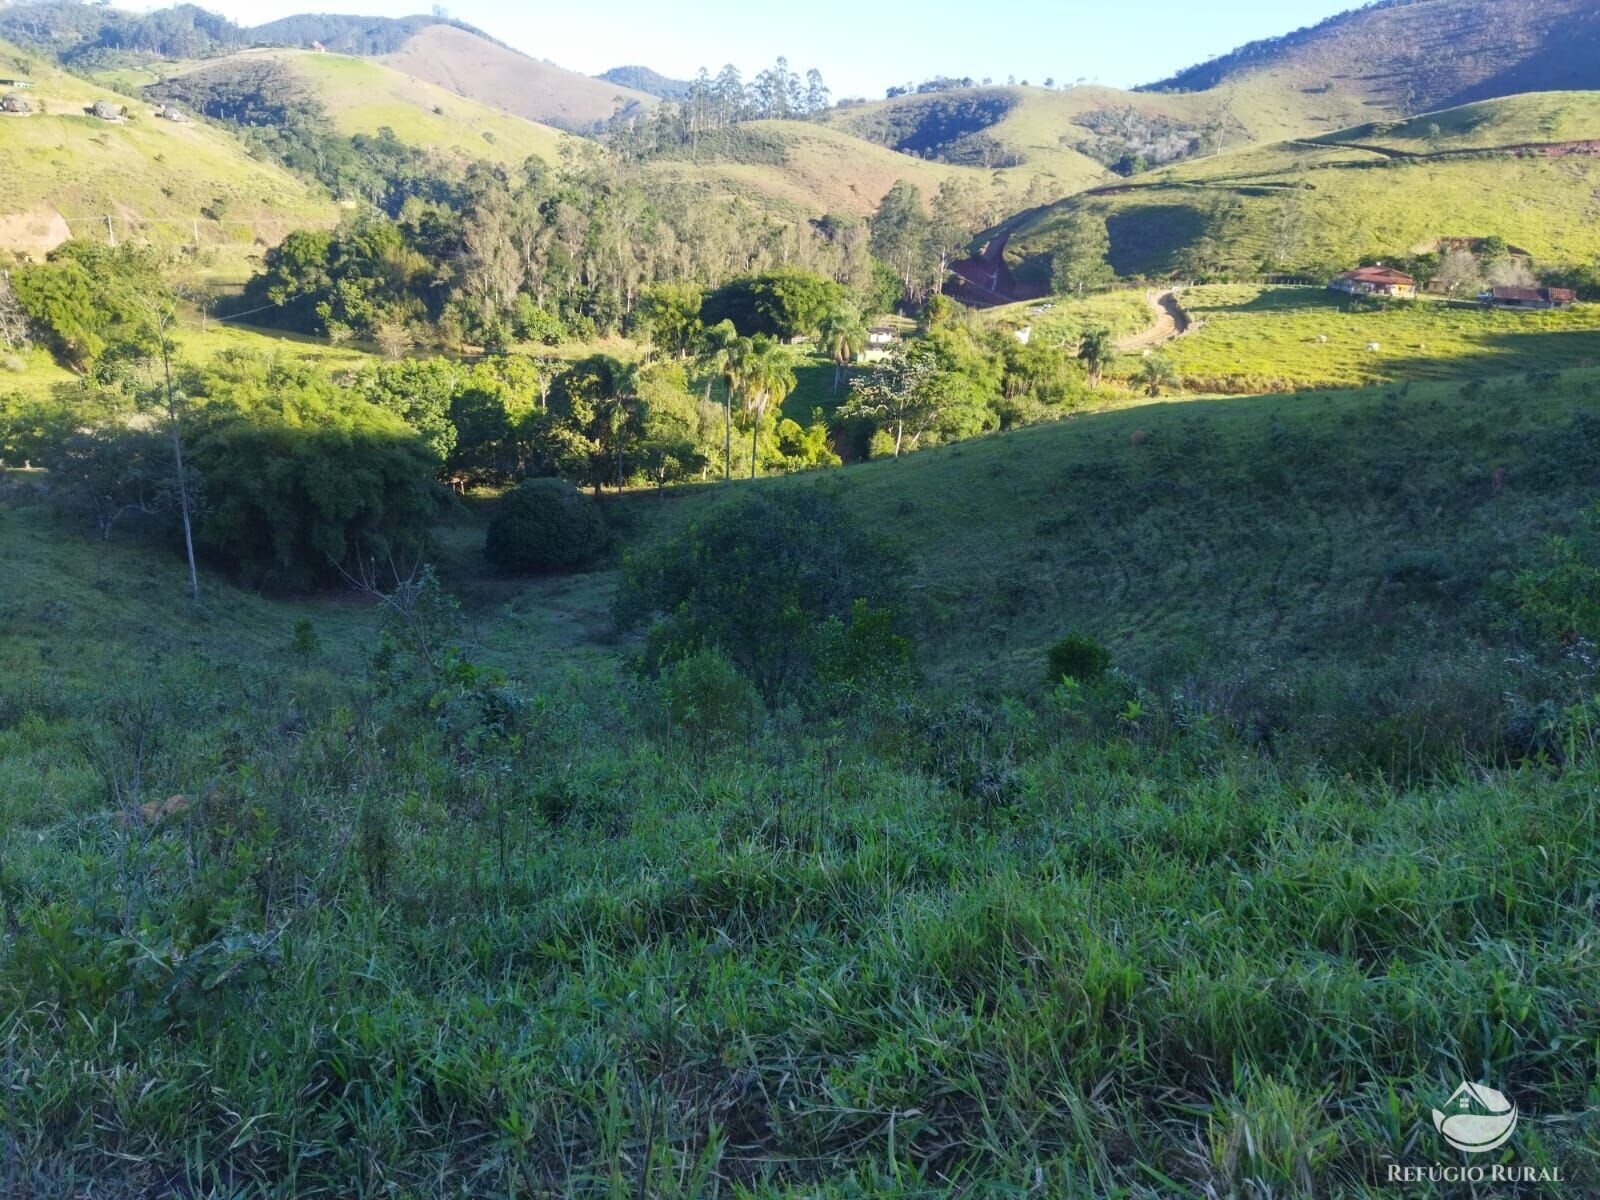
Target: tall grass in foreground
[(481, 939)]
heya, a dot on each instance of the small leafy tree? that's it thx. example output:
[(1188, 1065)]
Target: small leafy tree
[(669, 314), (708, 701), (905, 394), (760, 578), (545, 525), (112, 472)]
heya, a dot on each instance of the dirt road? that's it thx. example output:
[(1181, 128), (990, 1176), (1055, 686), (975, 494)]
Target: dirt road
[(1170, 322)]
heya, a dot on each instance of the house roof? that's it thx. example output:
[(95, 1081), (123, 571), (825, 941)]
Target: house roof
[(1535, 295), (1379, 275)]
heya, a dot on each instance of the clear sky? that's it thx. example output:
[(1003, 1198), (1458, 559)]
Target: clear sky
[(862, 47)]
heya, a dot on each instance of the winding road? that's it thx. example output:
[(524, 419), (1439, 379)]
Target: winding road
[(1170, 322)]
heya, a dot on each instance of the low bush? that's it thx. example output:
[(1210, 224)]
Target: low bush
[(545, 525), (707, 702), (761, 579), (1076, 656)]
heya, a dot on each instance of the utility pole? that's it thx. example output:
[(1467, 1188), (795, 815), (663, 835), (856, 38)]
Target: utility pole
[(163, 325), (111, 231)]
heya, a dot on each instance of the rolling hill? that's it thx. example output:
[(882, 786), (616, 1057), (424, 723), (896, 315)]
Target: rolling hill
[(829, 170), (1061, 131), (362, 96), (474, 67), (343, 33), (1526, 168), (1407, 56), (1391, 60), (643, 79), (64, 171)]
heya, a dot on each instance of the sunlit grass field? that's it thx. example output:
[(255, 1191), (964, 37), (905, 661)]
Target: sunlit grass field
[(1254, 338)]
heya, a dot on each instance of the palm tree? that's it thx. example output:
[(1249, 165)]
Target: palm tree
[(1156, 373), (842, 336), (620, 402), (716, 355), (1094, 352), (765, 372)]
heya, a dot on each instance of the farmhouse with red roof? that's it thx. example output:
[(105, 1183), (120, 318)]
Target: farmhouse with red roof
[(1375, 281)]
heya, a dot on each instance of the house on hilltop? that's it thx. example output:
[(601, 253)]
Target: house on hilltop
[(16, 82), (1375, 281), (1523, 297)]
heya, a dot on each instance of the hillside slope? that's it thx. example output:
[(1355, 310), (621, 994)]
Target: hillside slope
[(503, 79), (1407, 56), (1526, 169), (1061, 131), (829, 170), (1021, 537), (63, 170), (362, 96), (348, 33)]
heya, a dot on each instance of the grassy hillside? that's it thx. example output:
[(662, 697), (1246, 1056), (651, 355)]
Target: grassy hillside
[(827, 170), (1251, 338), (1327, 202), (62, 169), (362, 95), (521, 934), (1080, 130), (1251, 532), (1538, 119), (501, 78), (40, 373), (1407, 56)]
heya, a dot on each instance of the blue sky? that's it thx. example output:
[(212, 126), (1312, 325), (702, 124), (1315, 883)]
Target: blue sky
[(863, 47)]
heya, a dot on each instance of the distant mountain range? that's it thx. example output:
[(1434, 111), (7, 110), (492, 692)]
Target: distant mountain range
[(1395, 56)]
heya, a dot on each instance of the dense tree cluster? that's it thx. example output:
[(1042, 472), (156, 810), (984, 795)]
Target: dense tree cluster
[(702, 120), (83, 33), (530, 256)]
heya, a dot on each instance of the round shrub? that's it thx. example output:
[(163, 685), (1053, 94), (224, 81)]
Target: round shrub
[(1077, 656), (545, 525)]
